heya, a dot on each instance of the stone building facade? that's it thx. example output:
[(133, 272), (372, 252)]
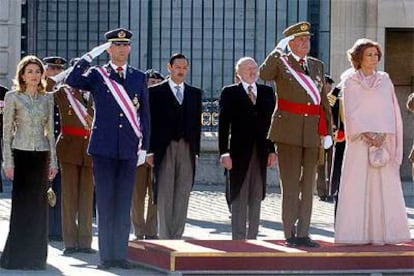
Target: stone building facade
[(213, 34)]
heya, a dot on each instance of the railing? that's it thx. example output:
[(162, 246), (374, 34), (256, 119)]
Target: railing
[(209, 115)]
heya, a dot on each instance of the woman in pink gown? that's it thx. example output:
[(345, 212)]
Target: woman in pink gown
[(371, 207)]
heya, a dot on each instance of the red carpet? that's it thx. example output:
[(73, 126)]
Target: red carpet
[(267, 255)]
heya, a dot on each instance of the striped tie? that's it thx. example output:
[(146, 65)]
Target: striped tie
[(251, 94), (179, 94)]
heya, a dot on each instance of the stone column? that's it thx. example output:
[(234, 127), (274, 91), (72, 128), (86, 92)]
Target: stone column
[(348, 23), (10, 33)]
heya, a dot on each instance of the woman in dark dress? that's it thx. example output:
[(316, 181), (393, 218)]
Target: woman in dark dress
[(29, 155)]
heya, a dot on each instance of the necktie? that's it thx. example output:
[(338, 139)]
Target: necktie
[(120, 72), (303, 65), (251, 95), (179, 94)]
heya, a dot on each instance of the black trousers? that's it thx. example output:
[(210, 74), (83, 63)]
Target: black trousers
[(26, 245)]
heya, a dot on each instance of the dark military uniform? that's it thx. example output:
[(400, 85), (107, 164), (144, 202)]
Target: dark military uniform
[(55, 213), (339, 139), (323, 179), (113, 146)]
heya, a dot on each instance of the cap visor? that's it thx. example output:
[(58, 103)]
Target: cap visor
[(119, 40), (303, 34)]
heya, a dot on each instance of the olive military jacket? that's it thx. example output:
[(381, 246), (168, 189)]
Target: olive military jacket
[(291, 128)]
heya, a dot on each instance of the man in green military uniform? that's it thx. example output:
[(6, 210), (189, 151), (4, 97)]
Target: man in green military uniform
[(300, 124), (76, 115)]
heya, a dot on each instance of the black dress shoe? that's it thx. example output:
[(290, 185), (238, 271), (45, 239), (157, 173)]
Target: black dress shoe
[(87, 250), (151, 237), (139, 237), (307, 242), (69, 250), (290, 241), (124, 264), (105, 265)]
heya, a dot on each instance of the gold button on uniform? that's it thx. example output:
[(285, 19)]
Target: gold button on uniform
[(121, 115), (120, 125), (309, 103)]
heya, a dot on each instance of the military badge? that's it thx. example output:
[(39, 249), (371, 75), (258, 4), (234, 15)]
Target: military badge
[(70, 110), (88, 118), (109, 69), (304, 27), (135, 102), (121, 34), (319, 83)]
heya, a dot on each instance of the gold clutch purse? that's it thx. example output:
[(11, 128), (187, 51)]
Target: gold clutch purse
[(51, 197)]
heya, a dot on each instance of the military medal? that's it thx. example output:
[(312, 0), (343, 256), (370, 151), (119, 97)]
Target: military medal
[(70, 110), (135, 102), (88, 118), (318, 82)]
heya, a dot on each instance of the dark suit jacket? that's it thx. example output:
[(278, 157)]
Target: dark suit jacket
[(247, 124), (163, 120), (290, 128), (112, 135)]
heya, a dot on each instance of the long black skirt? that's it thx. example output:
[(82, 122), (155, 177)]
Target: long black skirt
[(26, 245)]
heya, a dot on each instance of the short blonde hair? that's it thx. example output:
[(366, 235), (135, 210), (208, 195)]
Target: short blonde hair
[(18, 82), (355, 54)]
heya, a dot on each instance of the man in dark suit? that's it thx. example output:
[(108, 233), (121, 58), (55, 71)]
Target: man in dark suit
[(301, 121), (175, 143), (3, 91), (55, 65), (245, 112), (119, 138)]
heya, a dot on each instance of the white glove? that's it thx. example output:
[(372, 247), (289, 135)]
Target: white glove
[(327, 142), (89, 56), (141, 157), (61, 76), (284, 42)]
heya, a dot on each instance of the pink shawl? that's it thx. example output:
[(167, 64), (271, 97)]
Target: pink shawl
[(370, 105)]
